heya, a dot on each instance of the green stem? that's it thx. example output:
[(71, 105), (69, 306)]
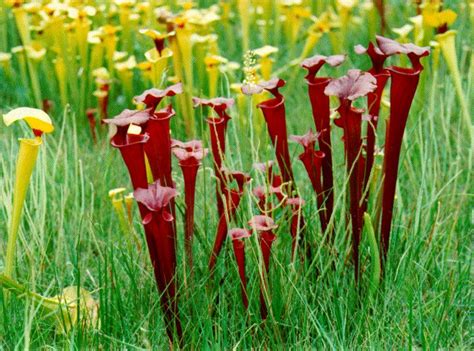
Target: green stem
[(375, 256), (19, 290)]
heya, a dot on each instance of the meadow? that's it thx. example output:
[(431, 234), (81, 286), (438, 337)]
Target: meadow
[(72, 235)]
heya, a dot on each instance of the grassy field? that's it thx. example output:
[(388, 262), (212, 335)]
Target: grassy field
[(70, 234)]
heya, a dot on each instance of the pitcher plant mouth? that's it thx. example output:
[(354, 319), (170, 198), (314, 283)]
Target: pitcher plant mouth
[(318, 81), (152, 97), (315, 63), (37, 141), (215, 120), (164, 114), (272, 103), (119, 141), (404, 70)]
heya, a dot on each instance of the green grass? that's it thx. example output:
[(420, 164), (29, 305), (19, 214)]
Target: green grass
[(70, 236)]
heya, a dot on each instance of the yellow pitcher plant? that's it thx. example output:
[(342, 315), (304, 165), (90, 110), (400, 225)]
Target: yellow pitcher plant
[(20, 55), (129, 200), (266, 23), (315, 33), (204, 45), (22, 21), (241, 104), (94, 39), (108, 37), (124, 71), (61, 75), (213, 63), (146, 72), (159, 63), (265, 61), (243, 9), (403, 33), (102, 81), (40, 123), (295, 13), (448, 49), (345, 9), (181, 45), (125, 8), (117, 199), (80, 17)]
